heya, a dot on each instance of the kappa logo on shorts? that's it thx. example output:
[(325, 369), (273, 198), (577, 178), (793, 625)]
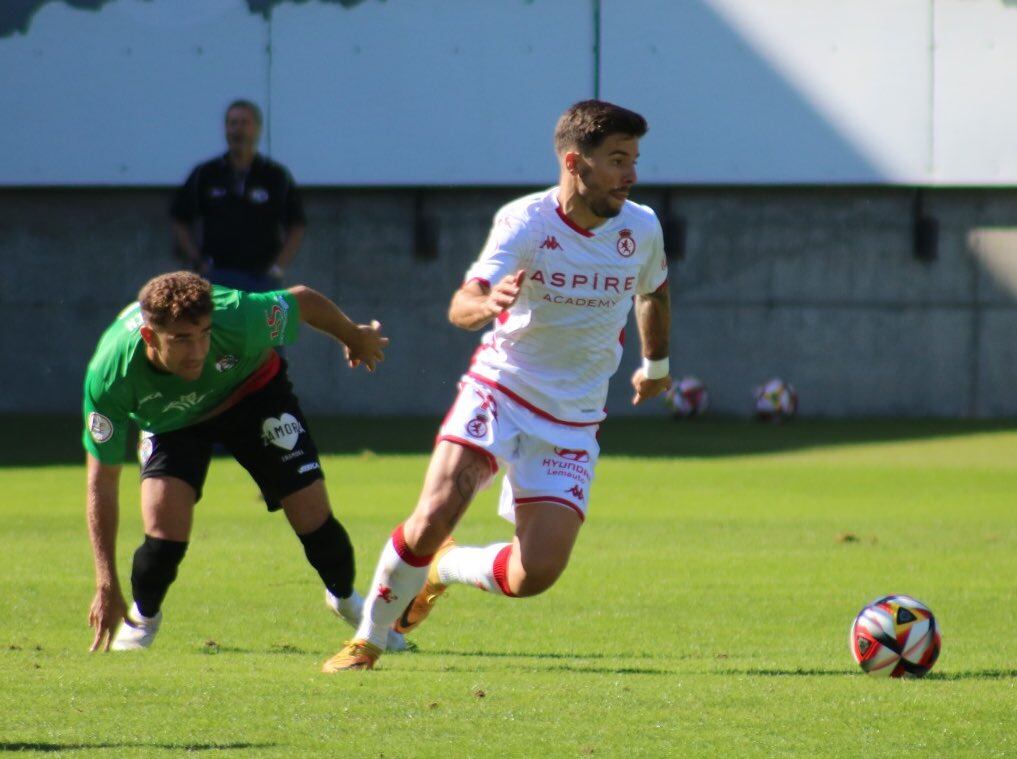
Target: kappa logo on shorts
[(488, 402), (576, 491), (99, 427), (282, 432), (477, 426), (573, 454)]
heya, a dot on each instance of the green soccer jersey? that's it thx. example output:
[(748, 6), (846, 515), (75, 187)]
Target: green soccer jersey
[(121, 383)]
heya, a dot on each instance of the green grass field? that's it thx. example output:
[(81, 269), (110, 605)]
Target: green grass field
[(705, 612)]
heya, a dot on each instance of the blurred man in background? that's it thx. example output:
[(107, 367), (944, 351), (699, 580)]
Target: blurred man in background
[(244, 209)]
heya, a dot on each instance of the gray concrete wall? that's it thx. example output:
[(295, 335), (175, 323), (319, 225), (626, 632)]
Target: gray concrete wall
[(815, 285)]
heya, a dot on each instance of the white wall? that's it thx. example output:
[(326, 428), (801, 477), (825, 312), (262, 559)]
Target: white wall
[(437, 92)]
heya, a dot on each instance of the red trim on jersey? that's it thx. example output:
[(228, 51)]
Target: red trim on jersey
[(662, 286), (553, 499), (500, 570), (399, 544), (503, 317), (473, 447), (481, 280), (571, 224), (621, 336), (255, 381), (526, 404)]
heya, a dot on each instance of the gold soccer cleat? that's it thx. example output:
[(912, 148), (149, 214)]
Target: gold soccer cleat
[(421, 606), (355, 654)]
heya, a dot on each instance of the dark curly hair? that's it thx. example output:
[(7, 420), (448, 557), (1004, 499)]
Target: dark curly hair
[(174, 296)]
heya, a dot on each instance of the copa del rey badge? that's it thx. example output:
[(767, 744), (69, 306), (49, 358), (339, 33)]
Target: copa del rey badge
[(626, 243)]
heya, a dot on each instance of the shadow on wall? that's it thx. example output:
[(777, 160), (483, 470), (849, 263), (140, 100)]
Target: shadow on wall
[(56, 439)]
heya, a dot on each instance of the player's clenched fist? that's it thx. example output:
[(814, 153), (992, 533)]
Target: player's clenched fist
[(505, 292)]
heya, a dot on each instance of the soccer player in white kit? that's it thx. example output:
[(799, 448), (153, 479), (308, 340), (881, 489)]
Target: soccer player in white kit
[(555, 280)]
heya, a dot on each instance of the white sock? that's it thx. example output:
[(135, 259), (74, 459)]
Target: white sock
[(394, 586), (466, 565)]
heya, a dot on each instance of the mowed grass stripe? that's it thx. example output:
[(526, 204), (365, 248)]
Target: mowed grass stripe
[(705, 611)]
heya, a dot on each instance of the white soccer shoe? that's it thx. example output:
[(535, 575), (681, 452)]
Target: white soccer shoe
[(350, 609), (136, 632)]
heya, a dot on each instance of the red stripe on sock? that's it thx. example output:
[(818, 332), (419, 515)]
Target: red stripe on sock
[(399, 544), (501, 570)]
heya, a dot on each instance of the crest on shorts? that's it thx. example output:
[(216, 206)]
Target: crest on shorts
[(626, 243), (145, 447), (477, 426)]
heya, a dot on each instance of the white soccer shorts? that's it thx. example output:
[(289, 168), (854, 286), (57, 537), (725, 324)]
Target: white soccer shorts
[(545, 461)]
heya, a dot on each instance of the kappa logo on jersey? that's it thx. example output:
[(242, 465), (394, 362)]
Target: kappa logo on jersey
[(576, 491), (626, 243), (99, 427), (258, 195), (385, 594), (477, 426), (186, 402), (225, 363), (217, 192), (573, 454), (282, 432), (551, 243)]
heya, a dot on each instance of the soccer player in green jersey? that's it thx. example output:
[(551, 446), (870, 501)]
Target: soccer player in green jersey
[(194, 366)]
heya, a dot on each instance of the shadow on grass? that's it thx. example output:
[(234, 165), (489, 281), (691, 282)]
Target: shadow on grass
[(974, 674), (57, 439), (54, 747)]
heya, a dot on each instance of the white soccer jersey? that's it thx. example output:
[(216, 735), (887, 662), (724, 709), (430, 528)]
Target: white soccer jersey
[(556, 348)]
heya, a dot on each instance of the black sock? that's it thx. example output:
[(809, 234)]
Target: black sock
[(330, 552), (154, 570)]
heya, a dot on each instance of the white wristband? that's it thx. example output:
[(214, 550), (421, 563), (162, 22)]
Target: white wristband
[(654, 369)]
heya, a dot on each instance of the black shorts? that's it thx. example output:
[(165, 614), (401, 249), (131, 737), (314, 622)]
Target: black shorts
[(266, 433)]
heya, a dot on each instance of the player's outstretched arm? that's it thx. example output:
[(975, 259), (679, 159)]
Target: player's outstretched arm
[(363, 343), (108, 607), (475, 304), (653, 316)]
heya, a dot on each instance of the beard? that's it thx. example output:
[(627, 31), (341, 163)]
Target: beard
[(597, 200)]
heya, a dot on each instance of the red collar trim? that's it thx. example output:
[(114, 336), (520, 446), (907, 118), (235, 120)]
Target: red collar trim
[(571, 224)]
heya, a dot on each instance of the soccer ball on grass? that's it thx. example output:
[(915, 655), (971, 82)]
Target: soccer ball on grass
[(895, 636)]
